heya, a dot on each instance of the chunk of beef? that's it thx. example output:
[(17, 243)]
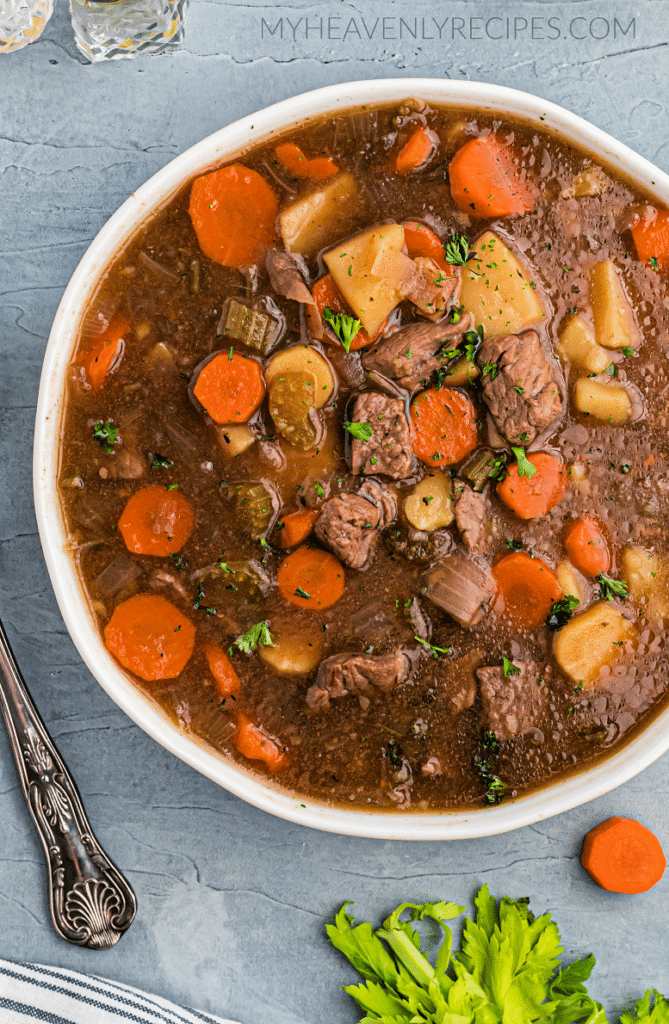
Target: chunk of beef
[(511, 706), (411, 354), (363, 674), (388, 450), (286, 277), (472, 521), (429, 289), (349, 524), (523, 395), (462, 587)]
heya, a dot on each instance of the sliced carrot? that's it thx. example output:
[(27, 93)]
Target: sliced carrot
[(297, 526), (528, 587), (486, 181), (536, 495), (227, 680), (106, 352), (443, 427), (622, 855), (311, 578), (292, 157), (230, 388), (156, 521), (253, 742), (415, 152), (233, 211), (587, 546), (150, 637), (651, 238), (326, 293), (420, 240)]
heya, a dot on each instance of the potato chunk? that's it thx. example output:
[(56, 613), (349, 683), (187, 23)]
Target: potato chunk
[(577, 344), (318, 218), (607, 402), (292, 655), (429, 505), (234, 439), (615, 326), (500, 297), (572, 582), (303, 359), (590, 641), (647, 578), (370, 297)]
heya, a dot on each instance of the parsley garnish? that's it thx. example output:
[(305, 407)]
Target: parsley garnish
[(455, 314), (608, 588), (160, 461), (258, 634), (486, 763), (320, 491), (458, 252), (514, 545), (562, 611), (345, 327), (509, 668), (363, 431), (106, 434), (653, 262), (267, 546), (436, 651), (299, 592), (490, 368), (197, 603), (525, 467), (627, 351)]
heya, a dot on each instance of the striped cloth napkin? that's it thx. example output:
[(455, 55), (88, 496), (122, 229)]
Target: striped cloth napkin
[(30, 992)]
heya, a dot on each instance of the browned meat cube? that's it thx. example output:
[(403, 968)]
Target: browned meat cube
[(388, 450), (412, 354), (511, 705), (363, 674)]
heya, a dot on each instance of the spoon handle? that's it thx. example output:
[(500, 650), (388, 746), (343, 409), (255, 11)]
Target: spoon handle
[(91, 902)]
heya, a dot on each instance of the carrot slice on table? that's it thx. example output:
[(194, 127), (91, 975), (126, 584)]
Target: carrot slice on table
[(485, 181), (156, 521), (535, 495), (150, 637), (297, 526), (311, 578), (292, 157), (326, 293), (443, 427), (227, 680), (587, 546), (651, 238), (106, 352), (230, 388), (253, 742), (421, 241), (528, 588), (622, 855), (415, 152), (233, 211)]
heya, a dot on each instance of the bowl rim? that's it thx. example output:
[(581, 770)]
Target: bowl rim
[(564, 793)]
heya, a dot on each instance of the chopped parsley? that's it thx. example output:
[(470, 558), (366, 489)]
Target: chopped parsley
[(627, 351), (345, 327), (300, 592), (653, 262), (458, 252), (562, 611), (436, 651), (258, 634), (197, 603), (486, 763), (319, 489), (525, 467), (159, 461), (608, 588), (509, 668), (490, 368), (106, 434), (514, 545), (363, 431), (267, 547)]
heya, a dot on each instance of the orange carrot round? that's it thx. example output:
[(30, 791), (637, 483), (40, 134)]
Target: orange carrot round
[(297, 526), (233, 211), (485, 181), (156, 521), (311, 578), (420, 240), (150, 637), (227, 680), (536, 495), (107, 351), (230, 388), (253, 742), (415, 152), (622, 855), (586, 544), (326, 293), (443, 427), (292, 157), (651, 238), (528, 587)]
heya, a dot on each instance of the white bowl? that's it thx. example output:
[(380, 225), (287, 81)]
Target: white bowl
[(558, 796)]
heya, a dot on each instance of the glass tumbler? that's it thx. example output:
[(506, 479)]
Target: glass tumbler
[(113, 29), (22, 21)]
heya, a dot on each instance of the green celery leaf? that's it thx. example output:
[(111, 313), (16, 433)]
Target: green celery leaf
[(659, 1014)]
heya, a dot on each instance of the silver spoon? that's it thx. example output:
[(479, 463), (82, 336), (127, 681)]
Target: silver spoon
[(91, 902)]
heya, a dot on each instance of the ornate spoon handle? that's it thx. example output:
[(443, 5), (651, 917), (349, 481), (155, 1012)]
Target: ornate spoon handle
[(91, 902)]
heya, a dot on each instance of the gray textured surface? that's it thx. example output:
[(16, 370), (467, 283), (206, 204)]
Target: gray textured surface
[(233, 902)]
